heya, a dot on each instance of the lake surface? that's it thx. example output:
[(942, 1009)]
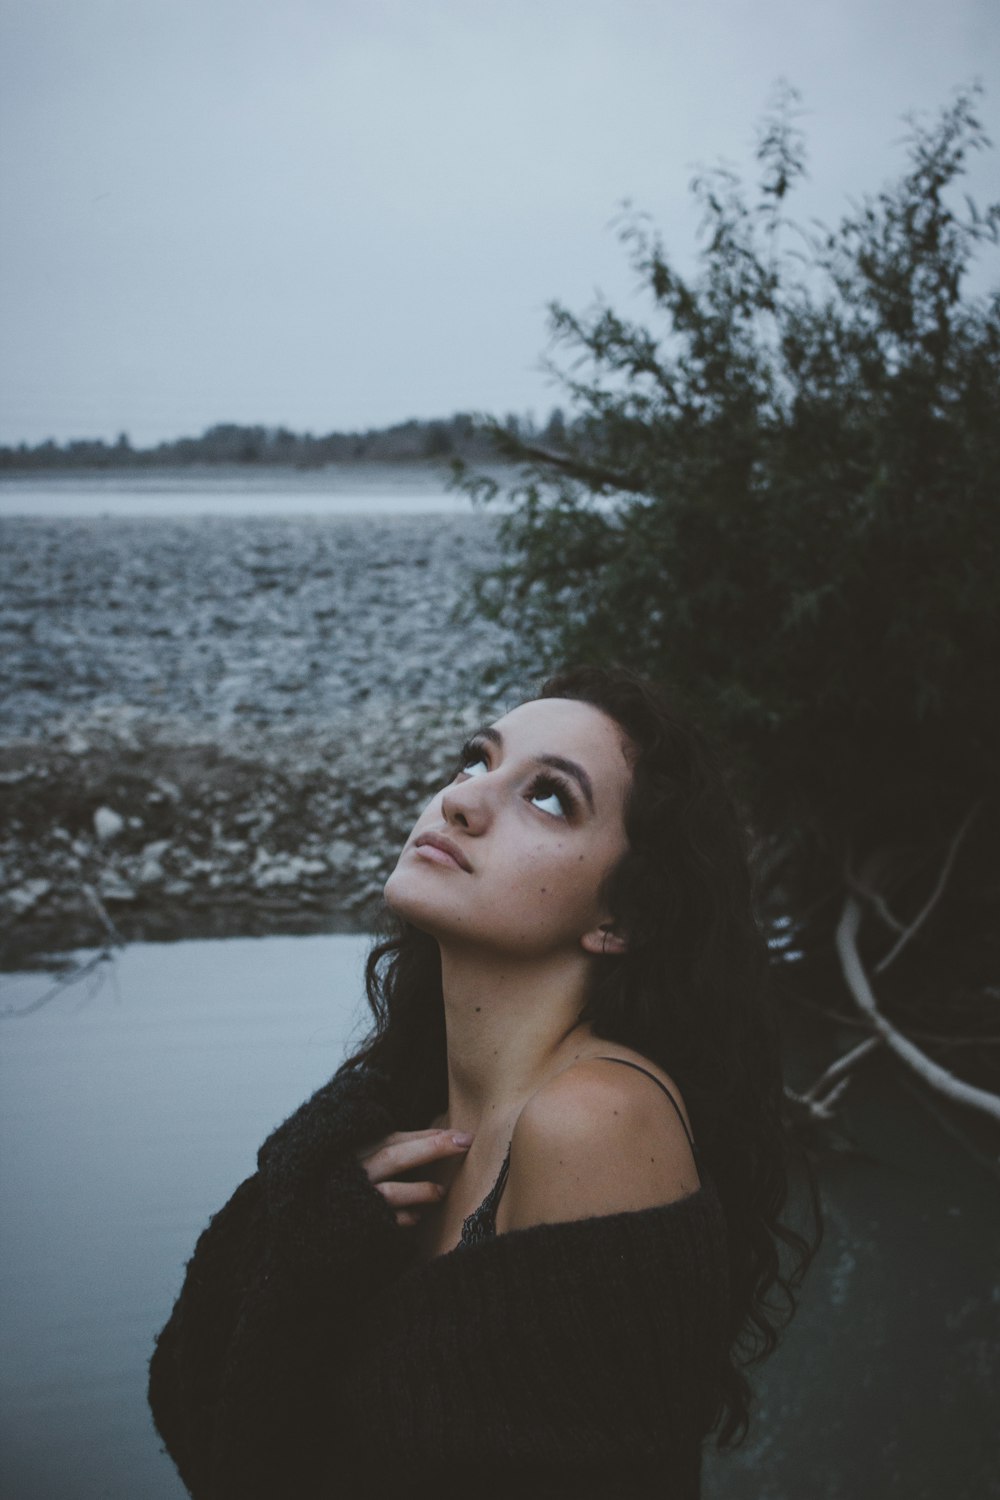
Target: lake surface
[(271, 619), (133, 1103), (339, 490)]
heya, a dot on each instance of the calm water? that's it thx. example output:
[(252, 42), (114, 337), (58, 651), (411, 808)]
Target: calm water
[(364, 490), (132, 1105)]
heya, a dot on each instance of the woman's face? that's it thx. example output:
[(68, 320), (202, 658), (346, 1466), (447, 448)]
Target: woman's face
[(527, 832)]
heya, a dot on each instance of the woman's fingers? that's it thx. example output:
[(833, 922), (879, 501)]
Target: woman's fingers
[(408, 1135), (407, 1194), (394, 1138), (407, 1149), (402, 1151)]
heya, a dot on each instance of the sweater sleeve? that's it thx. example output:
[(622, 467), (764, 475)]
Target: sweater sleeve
[(580, 1359), (270, 1303)]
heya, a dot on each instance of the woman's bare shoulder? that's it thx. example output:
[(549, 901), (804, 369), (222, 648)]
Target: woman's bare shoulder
[(596, 1139), (602, 1053)]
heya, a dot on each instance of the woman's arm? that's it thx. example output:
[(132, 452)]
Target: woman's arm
[(577, 1360), (241, 1376)]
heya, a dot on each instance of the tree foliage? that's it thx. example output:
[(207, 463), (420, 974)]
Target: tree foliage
[(778, 493), (231, 443)]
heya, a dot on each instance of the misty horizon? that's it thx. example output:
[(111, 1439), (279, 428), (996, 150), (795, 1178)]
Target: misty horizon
[(337, 217)]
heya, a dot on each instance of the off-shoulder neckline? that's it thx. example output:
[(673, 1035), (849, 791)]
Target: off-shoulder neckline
[(706, 1194)]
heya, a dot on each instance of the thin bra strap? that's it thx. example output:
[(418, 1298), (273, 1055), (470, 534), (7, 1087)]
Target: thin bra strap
[(659, 1085)]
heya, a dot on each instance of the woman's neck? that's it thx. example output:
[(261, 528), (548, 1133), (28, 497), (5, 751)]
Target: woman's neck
[(510, 1023)]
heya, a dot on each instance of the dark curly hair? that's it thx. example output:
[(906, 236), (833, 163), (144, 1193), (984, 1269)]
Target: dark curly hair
[(691, 993)]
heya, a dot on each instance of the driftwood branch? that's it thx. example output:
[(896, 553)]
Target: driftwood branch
[(858, 983), (914, 927)]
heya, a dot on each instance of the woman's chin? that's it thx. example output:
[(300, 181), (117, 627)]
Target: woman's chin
[(404, 900), (417, 902), (388, 894)]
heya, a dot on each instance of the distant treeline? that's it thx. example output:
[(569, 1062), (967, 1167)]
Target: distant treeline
[(459, 436)]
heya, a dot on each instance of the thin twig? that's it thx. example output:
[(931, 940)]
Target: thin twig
[(819, 1100), (828, 1015), (956, 1041), (876, 899), (113, 939), (818, 1110), (11, 1012), (843, 1066), (935, 894), (857, 982), (588, 473), (97, 906), (860, 1024)]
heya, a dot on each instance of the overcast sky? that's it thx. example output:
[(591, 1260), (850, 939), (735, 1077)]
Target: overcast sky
[(336, 214)]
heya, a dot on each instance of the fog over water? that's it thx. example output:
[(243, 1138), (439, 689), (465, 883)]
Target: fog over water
[(371, 491)]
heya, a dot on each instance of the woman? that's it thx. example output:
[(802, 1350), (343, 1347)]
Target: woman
[(522, 1242)]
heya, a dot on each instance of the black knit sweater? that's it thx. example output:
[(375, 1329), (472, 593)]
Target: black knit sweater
[(310, 1354)]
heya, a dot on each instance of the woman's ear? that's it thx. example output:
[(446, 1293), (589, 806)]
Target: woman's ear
[(603, 939)]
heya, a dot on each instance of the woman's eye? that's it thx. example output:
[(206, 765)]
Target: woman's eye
[(474, 766), (549, 802)]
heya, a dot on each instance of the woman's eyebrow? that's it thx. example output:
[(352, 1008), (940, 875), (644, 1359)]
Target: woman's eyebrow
[(557, 762), (487, 732)]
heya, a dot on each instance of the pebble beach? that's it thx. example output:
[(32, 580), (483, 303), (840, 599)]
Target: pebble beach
[(220, 725)]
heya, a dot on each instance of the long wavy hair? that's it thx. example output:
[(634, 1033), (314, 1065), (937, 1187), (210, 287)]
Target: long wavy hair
[(691, 993)]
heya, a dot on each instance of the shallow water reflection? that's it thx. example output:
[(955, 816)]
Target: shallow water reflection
[(132, 1105)]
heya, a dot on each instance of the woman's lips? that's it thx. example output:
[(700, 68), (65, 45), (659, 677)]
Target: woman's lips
[(441, 850)]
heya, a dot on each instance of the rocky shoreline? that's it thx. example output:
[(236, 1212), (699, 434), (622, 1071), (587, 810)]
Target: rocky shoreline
[(319, 690)]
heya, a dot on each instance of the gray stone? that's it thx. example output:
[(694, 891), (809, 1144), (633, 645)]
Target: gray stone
[(23, 897), (107, 824), (113, 887)]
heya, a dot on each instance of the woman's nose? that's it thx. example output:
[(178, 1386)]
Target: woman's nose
[(466, 804)]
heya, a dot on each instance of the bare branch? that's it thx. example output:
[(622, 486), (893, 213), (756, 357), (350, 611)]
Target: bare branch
[(843, 1066), (100, 911), (591, 474), (814, 1007), (818, 1111), (876, 899), (113, 940), (14, 1012), (956, 1041), (935, 894), (818, 1101), (857, 982)]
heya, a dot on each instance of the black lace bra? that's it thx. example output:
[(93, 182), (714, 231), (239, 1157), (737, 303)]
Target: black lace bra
[(482, 1223)]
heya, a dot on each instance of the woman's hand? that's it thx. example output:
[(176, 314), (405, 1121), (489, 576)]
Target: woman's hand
[(402, 1152)]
